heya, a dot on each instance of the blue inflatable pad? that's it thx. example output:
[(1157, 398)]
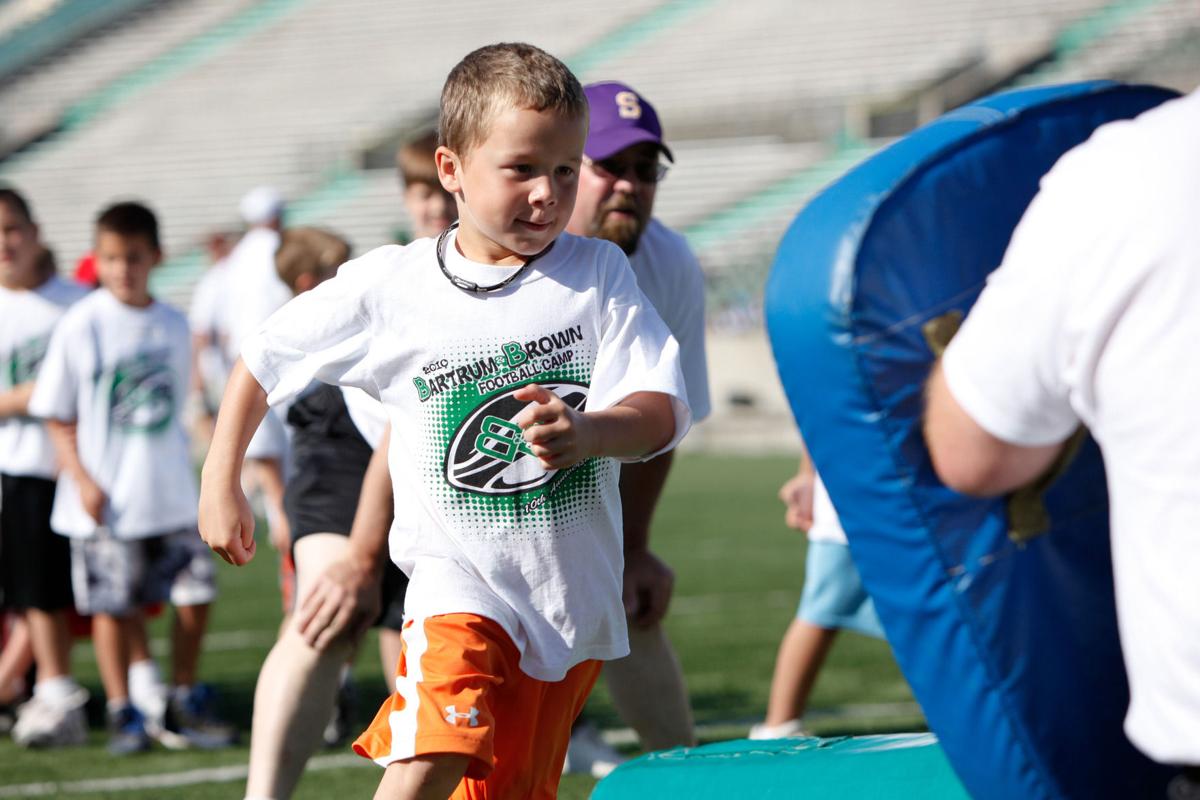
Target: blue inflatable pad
[(1011, 648)]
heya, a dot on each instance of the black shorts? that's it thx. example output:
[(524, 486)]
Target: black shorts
[(35, 562), (327, 461)]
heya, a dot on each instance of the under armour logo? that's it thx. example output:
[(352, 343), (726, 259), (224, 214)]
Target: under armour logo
[(453, 715)]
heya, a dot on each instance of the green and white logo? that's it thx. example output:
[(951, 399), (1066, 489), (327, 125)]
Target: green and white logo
[(25, 359), (142, 394), (487, 453)]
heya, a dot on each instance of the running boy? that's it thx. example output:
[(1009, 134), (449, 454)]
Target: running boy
[(484, 346), (112, 387)]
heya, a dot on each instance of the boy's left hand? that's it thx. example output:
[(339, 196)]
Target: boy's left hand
[(557, 434)]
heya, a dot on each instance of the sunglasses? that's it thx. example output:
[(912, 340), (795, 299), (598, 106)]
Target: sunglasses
[(615, 168)]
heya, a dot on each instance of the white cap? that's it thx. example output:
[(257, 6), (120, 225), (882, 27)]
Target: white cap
[(261, 205)]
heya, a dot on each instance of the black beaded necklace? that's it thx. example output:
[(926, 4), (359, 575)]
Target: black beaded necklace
[(469, 286)]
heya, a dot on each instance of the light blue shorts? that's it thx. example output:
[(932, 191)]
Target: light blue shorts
[(833, 595)]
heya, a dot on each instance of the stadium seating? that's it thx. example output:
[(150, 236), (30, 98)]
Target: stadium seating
[(190, 103)]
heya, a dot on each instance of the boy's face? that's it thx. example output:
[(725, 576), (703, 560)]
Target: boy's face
[(19, 248), (614, 202), (516, 189), (123, 264), (429, 207)]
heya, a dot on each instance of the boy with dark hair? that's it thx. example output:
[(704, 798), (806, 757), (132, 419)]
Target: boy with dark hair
[(35, 569), (111, 388), (516, 365)]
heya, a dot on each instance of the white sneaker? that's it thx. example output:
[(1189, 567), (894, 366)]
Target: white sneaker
[(152, 704), (589, 754), (792, 729), (42, 724)]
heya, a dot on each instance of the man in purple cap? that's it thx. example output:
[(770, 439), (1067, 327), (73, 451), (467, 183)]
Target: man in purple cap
[(617, 184)]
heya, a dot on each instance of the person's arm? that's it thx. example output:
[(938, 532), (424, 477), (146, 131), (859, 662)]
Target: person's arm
[(966, 457), (797, 493), (66, 448), (345, 599), (199, 343), (559, 436), (15, 402), (648, 581), (226, 521)]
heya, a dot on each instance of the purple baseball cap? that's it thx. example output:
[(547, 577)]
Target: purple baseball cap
[(620, 117)]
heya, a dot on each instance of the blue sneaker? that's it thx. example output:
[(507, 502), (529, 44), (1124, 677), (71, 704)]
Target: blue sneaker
[(192, 721), (127, 732)]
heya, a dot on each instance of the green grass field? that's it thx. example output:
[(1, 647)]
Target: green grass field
[(739, 572)]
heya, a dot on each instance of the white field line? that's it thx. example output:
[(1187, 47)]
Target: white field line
[(169, 780), (166, 780)]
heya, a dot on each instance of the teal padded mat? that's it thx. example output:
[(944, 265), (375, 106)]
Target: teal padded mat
[(858, 767)]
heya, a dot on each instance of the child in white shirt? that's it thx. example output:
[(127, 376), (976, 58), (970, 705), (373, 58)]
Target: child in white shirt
[(112, 388), (515, 364)]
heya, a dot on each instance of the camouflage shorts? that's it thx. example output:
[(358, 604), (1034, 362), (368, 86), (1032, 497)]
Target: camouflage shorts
[(115, 576)]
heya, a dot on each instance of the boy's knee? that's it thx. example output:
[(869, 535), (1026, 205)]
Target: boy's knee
[(423, 777)]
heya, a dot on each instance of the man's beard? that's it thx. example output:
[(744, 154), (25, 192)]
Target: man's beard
[(622, 230)]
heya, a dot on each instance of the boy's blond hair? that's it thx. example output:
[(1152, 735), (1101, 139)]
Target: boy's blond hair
[(414, 161), (499, 76), (309, 251)]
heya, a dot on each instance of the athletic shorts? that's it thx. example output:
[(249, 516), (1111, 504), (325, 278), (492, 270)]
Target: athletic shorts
[(35, 562), (833, 595), (327, 461), (459, 690), (115, 576)]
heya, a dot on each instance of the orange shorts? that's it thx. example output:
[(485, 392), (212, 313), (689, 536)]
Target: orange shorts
[(287, 583), (459, 690)]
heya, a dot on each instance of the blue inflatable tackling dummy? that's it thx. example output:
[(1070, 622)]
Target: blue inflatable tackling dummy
[(1010, 645)]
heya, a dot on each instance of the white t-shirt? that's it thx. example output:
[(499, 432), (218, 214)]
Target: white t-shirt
[(254, 288), (27, 318), (255, 291), (1092, 317), (207, 318), (485, 529), (122, 374), (367, 414), (671, 278), (826, 527)]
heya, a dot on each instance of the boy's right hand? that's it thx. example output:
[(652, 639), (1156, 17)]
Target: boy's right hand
[(227, 523), (93, 499), (797, 495)]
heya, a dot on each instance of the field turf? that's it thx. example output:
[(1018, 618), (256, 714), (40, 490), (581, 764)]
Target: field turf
[(739, 572)]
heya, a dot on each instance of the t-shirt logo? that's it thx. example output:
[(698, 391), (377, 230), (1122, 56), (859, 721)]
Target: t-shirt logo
[(488, 455), (142, 394), (25, 359)]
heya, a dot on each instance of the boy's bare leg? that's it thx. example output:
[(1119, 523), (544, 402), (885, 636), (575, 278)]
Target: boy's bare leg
[(297, 687), (15, 660), (51, 640), (648, 690), (111, 637), (801, 654), (422, 778), (187, 637)]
